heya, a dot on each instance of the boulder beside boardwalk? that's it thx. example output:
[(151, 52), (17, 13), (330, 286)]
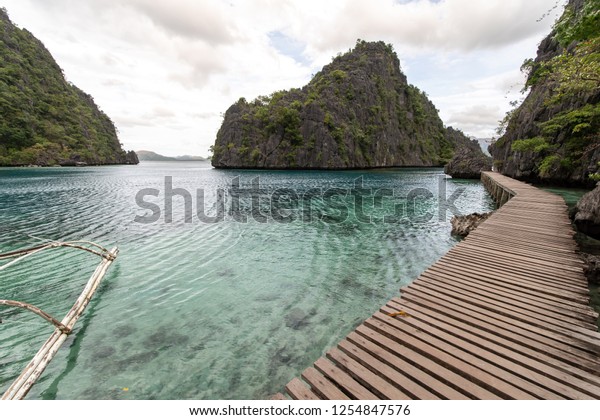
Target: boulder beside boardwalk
[(468, 163), (463, 225), (586, 213)]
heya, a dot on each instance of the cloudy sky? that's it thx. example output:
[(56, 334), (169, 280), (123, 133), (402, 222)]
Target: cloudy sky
[(166, 71)]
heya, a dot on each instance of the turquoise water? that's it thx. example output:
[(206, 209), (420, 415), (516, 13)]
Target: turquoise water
[(225, 310), (570, 195)]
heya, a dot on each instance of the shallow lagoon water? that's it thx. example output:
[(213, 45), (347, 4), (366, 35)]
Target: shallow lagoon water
[(197, 310)]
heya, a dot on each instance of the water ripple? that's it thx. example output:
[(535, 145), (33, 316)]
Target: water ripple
[(194, 310)]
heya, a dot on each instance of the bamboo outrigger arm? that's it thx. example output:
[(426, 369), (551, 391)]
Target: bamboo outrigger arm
[(37, 311), (21, 386)]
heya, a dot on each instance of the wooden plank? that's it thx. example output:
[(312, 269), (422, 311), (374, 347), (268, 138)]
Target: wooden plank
[(516, 368), (492, 323), (481, 337), (472, 367), (501, 306), (344, 381), (514, 231), (374, 383), (398, 378), (518, 287), (484, 237), (507, 377), (511, 231), (479, 323), (576, 346), (322, 386), (536, 280), (441, 363), (540, 277), (510, 249), (299, 391), (523, 259), (557, 237), (529, 307), (422, 378), (573, 273)]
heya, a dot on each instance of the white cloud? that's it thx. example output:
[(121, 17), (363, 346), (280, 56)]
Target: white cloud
[(475, 118), (166, 71), (205, 20)]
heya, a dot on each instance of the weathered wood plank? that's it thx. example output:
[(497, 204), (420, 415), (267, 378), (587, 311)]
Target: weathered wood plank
[(365, 377), (511, 303), (433, 383), (433, 365), (546, 337), (343, 380), (489, 341), (513, 365), (398, 378), (299, 391), (322, 386)]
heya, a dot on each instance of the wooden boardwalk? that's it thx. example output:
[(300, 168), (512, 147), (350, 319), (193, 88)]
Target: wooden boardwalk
[(503, 315)]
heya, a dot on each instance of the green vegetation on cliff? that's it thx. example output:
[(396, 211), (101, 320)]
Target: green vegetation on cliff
[(553, 136), (44, 119), (357, 112)]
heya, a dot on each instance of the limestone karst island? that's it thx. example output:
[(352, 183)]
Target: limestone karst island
[(204, 201)]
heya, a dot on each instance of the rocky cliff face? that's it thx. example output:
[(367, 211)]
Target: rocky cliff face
[(46, 120), (553, 136), (358, 112), (468, 163)]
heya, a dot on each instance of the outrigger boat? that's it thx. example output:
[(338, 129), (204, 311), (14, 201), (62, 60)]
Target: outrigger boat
[(21, 386)]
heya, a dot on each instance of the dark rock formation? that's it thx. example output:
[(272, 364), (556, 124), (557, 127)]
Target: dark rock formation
[(553, 136), (468, 163), (592, 267), (586, 213), (463, 225), (46, 120), (131, 158), (357, 112)]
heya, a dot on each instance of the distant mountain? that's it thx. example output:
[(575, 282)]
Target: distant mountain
[(188, 157), (358, 112), (484, 144), (45, 120), (146, 155)]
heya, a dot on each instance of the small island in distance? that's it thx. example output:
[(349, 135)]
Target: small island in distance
[(147, 155)]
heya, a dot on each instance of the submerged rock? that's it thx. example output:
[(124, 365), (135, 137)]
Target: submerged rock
[(463, 225), (468, 163), (296, 319), (586, 214), (103, 352)]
